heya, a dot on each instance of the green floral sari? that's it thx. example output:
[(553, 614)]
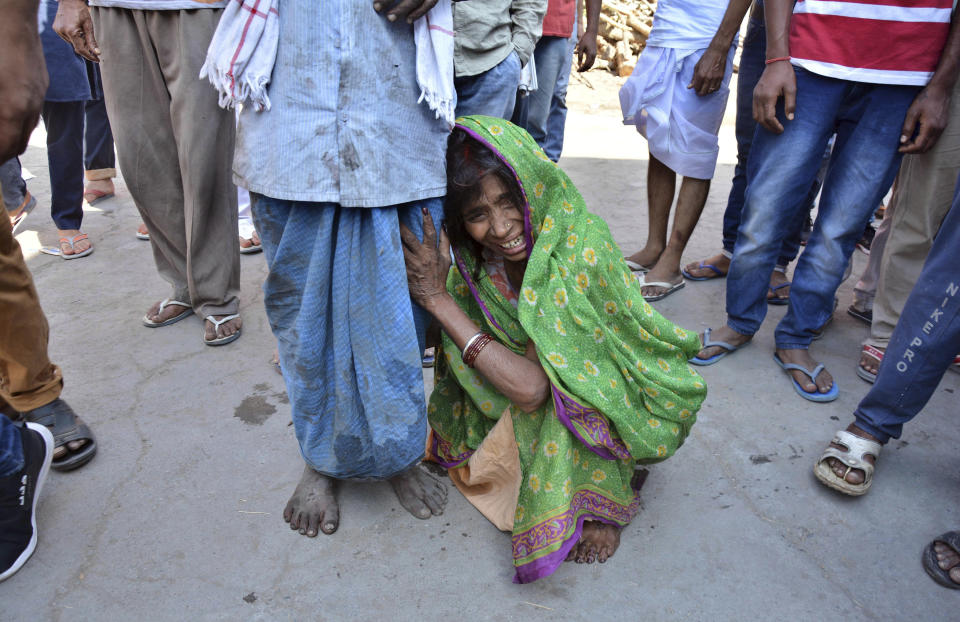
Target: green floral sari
[(623, 393)]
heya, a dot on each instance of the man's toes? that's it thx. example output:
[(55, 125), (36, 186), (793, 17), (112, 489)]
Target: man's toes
[(313, 523), (288, 512), (591, 554), (295, 520), (572, 554), (955, 574), (59, 452), (331, 520)]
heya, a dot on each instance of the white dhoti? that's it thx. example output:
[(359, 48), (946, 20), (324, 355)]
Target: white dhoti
[(680, 126)]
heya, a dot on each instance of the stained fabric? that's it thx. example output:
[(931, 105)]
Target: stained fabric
[(337, 300), (623, 392)]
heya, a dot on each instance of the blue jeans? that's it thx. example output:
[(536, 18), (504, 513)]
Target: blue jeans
[(924, 342), (867, 119), (11, 447), (546, 108), (751, 67), (12, 184), (493, 92)]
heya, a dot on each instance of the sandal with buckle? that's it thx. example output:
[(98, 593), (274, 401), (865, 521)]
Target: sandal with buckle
[(853, 457)]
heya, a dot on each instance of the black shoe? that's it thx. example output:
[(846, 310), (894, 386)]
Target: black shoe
[(864, 244), (18, 500)]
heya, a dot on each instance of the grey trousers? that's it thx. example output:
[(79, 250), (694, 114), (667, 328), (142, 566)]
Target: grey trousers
[(175, 148), (921, 199)]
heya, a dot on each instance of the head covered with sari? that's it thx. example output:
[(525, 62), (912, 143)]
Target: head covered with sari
[(623, 392)]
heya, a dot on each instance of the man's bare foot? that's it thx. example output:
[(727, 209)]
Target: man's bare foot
[(251, 242), (719, 261), (419, 492), (313, 505), (824, 381), (948, 560), (869, 362), (853, 476), (666, 270), (725, 334), (169, 310), (598, 542), (142, 232), (97, 189), (228, 328), (779, 287), (78, 247), (646, 257)]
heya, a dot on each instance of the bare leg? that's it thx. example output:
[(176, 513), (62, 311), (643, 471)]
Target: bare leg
[(661, 183), (690, 202), (419, 492), (314, 501)]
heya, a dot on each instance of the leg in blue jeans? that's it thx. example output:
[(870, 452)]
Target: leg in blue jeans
[(12, 184), (547, 106), (862, 168), (924, 343), (11, 447), (493, 92)]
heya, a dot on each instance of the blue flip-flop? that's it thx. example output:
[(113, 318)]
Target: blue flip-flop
[(708, 343), (776, 300), (719, 275), (814, 396)]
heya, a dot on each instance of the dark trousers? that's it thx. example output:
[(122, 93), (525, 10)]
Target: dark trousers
[(924, 342), (69, 125)]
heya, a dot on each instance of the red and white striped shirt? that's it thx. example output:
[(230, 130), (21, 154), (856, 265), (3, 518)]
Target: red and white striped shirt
[(876, 41)]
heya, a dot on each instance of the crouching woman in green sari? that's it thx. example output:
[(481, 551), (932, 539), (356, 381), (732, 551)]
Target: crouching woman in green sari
[(555, 378)]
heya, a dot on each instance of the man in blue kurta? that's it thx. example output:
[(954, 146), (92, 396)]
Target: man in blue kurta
[(342, 157)]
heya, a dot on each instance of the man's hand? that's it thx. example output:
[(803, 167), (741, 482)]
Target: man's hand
[(398, 9), (708, 73), (586, 50), (778, 79), (427, 263), (24, 82), (931, 111), (74, 26)]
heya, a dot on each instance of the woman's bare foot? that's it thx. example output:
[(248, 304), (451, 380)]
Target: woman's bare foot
[(169, 311), (419, 492), (852, 476), (797, 356), (948, 560), (598, 542), (646, 257), (78, 247), (779, 286), (725, 334), (719, 261), (313, 505)]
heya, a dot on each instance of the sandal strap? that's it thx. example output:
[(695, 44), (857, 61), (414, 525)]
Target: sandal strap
[(65, 425), (218, 323), (811, 374), (166, 302), (709, 343), (874, 352), (857, 448)]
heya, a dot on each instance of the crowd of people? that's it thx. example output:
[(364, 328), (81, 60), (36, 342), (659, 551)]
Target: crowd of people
[(430, 212)]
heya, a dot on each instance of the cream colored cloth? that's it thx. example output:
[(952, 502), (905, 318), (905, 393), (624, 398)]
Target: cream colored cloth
[(491, 478)]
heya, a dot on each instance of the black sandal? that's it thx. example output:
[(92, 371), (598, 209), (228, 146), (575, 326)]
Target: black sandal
[(929, 558), (66, 427)]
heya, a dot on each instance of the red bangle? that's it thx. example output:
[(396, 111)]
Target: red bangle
[(770, 61), (471, 353)]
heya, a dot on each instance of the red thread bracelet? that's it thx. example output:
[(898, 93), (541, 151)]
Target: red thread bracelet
[(770, 61)]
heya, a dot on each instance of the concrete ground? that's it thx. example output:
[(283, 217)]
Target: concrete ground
[(179, 515)]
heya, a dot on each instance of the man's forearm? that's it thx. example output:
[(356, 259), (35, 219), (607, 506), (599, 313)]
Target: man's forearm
[(593, 16), (945, 76), (730, 24), (777, 15)]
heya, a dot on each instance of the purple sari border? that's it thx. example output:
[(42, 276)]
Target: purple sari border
[(527, 222), (590, 420), (548, 564), (443, 452)]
